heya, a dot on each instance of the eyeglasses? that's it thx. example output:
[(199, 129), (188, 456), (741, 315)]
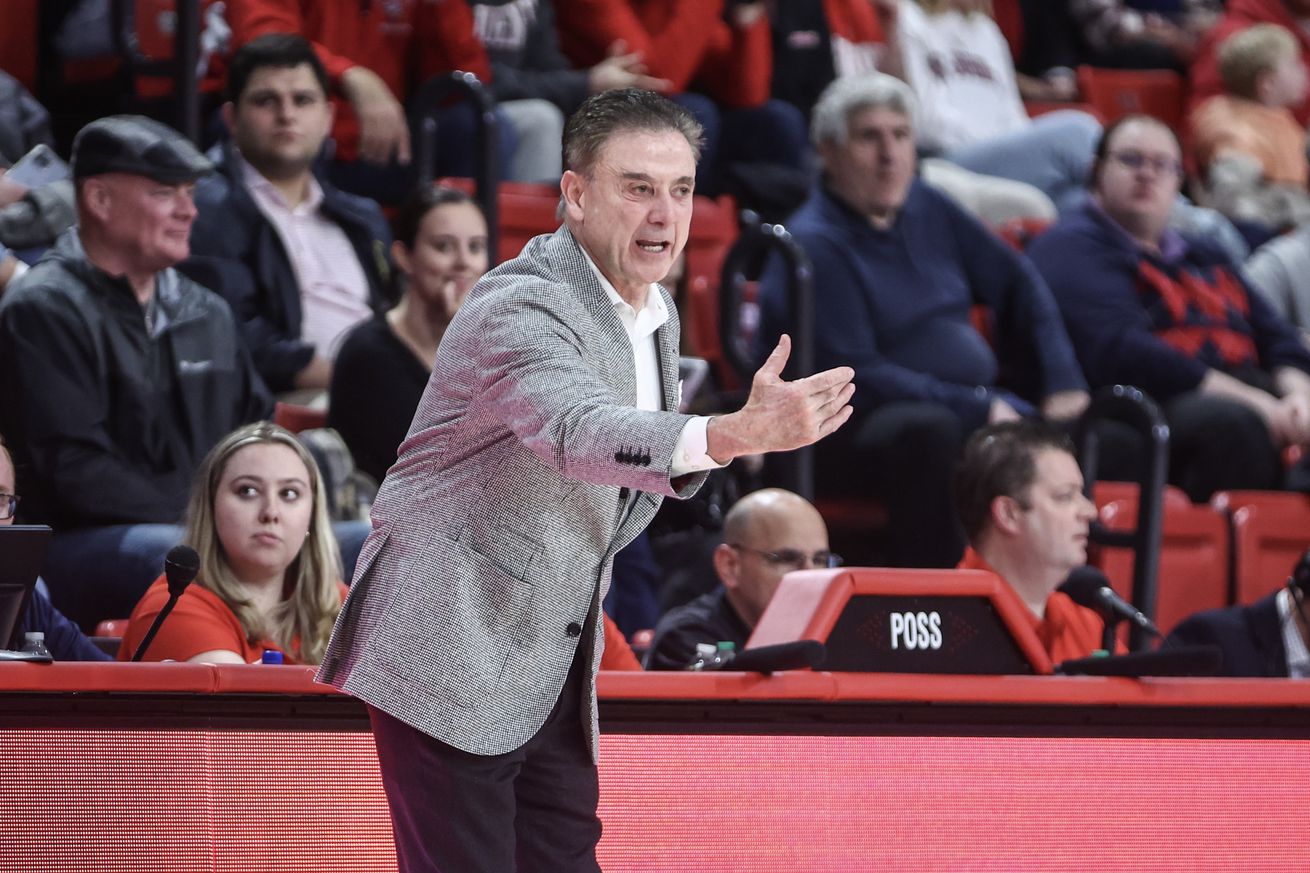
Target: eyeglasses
[(1159, 164), (793, 558), (8, 505)]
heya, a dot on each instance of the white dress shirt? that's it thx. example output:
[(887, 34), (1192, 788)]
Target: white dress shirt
[(690, 454)]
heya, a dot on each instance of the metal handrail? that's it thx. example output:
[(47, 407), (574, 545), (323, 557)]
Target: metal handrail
[(1133, 407), (747, 256), (486, 180)]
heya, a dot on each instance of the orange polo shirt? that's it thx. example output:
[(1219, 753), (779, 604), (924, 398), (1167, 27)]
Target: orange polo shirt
[(1269, 134), (200, 622), (1068, 630)]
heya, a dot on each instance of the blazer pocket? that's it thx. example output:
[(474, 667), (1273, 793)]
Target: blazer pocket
[(458, 614)]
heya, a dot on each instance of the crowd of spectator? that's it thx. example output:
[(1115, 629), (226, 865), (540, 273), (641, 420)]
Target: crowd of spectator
[(156, 300)]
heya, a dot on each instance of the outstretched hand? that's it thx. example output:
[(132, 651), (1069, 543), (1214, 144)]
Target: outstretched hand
[(780, 416)]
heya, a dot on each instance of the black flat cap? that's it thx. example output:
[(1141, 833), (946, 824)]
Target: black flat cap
[(137, 145)]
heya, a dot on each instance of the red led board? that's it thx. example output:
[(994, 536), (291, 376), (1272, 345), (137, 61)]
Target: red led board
[(272, 801)]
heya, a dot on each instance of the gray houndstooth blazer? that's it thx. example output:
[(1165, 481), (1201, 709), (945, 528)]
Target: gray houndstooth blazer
[(525, 469)]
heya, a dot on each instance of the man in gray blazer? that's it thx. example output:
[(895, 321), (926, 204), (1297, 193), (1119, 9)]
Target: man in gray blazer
[(544, 443)]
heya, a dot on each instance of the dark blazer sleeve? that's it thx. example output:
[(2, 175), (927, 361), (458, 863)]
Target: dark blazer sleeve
[(64, 639), (1250, 638)]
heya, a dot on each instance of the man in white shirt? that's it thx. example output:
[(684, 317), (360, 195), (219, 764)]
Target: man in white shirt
[(301, 262)]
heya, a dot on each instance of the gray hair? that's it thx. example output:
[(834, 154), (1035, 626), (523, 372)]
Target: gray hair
[(621, 110), (830, 122)]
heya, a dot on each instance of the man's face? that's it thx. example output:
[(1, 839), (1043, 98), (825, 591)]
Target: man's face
[(7, 482), (1139, 178), (280, 120), (1054, 524), (779, 539), (873, 169), (632, 211), (147, 223)]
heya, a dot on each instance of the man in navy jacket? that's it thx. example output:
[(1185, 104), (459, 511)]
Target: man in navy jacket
[(1173, 316), (300, 261), (898, 270)]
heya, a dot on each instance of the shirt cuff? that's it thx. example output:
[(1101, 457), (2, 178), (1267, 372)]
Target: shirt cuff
[(690, 454)]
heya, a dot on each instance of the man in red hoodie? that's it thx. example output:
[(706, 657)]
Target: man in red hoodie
[(1291, 14)]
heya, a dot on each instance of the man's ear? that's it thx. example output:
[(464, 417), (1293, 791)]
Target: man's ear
[(726, 561), (573, 189), (96, 198), (1006, 514)]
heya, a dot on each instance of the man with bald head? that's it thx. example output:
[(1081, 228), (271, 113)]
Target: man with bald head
[(766, 534)]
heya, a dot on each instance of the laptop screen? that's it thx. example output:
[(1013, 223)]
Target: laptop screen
[(22, 550)]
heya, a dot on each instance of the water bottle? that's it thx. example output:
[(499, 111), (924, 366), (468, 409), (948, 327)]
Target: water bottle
[(271, 656), (705, 654), (34, 644), (712, 656), (724, 652)]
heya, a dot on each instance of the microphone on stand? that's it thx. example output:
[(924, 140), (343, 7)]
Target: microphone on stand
[(1087, 586), (180, 569)]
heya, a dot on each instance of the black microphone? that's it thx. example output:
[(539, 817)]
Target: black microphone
[(1087, 586), (796, 655), (180, 568)]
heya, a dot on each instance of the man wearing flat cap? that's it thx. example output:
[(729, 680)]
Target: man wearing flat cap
[(119, 373)]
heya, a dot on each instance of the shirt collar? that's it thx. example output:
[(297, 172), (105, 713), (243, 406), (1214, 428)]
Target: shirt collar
[(639, 322), (256, 183), (1173, 247)]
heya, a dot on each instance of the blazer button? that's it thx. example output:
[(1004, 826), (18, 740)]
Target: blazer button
[(574, 629), (623, 493)]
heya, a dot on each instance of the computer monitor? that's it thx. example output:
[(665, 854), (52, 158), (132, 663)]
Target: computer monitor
[(22, 551)]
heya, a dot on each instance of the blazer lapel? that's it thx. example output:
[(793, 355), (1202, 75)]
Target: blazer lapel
[(616, 357)]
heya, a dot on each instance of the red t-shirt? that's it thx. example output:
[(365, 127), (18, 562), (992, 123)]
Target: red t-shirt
[(200, 622), (1067, 631)]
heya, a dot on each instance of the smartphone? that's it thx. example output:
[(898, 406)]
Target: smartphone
[(39, 167)]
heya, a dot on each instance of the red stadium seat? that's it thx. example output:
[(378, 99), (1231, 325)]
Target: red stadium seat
[(1194, 549), (1116, 93), (296, 418), (18, 41), (1271, 530)]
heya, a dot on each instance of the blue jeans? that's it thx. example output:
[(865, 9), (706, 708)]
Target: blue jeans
[(96, 573)]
